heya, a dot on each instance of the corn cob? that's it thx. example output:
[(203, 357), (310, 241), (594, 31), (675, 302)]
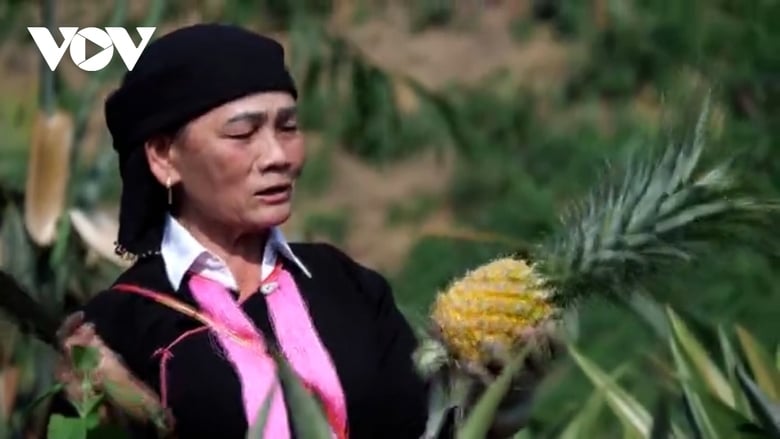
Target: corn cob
[(47, 175)]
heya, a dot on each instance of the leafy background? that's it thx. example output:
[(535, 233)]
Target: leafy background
[(432, 126)]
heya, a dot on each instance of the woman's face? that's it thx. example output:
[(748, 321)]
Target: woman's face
[(237, 165)]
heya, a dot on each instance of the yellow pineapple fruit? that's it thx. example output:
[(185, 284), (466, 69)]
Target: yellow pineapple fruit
[(492, 308)]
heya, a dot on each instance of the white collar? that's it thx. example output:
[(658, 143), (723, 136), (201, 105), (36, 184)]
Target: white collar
[(182, 252)]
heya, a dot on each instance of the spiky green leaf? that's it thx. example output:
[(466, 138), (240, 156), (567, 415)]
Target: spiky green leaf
[(767, 412), (586, 422), (626, 407), (61, 427), (650, 311), (256, 428), (707, 372), (439, 405), (662, 425), (480, 419), (761, 364), (710, 417), (731, 361), (652, 215), (307, 416)]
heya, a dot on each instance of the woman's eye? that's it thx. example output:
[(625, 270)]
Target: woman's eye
[(290, 126), (240, 135)]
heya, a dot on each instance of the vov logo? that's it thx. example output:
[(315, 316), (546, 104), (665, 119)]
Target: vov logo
[(75, 40)]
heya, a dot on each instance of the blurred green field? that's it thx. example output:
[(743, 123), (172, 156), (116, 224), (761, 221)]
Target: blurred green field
[(446, 116)]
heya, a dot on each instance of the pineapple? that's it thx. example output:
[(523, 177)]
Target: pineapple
[(605, 246), (490, 308)]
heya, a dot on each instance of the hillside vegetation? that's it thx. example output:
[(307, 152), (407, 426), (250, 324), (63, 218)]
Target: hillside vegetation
[(443, 133)]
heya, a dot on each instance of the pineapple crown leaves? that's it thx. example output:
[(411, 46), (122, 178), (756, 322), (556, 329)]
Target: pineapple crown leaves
[(654, 214)]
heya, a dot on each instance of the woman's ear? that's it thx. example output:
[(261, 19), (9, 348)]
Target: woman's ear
[(158, 155)]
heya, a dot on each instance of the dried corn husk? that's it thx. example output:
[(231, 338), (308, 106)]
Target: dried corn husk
[(47, 175), (98, 230)]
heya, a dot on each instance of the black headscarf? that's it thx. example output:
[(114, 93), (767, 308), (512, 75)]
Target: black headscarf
[(178, 77)]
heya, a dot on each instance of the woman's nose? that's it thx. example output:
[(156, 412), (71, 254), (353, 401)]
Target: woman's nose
[(272, 153)]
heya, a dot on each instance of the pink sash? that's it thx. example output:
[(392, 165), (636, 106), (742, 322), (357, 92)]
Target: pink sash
[(245, 348), (256, 370)]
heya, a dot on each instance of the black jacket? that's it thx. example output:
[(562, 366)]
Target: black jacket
[(352, 307)]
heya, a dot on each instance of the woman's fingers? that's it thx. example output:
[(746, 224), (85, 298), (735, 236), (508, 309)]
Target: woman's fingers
[(66, 376), (121, 385), (74, 332), (83, 336), (128, 393), (70, 333), (122, 388), (111, 377), (69, 325)]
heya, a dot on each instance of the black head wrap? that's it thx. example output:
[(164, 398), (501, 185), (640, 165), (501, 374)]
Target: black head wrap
[(179, 77)]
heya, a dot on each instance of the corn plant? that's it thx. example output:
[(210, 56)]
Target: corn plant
[(56, 246)]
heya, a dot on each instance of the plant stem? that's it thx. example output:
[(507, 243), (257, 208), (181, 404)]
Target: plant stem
[(46, 93)]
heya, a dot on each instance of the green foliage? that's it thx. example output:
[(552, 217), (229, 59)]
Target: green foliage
[(634, 224), (649, 217), (430, 13), (513, 183), (655, 41), (12, 14), (410, 211), (310, 422), (348, 99), (480, 418), (277, 14), (16, 119), (521, 156), (308, 418), (86, 424), (634, 418), (726, 393), (52, 279), (317, 174), (331, 225)]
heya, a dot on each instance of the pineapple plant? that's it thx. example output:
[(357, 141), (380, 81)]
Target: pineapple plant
[(727, 389), (626, 229)]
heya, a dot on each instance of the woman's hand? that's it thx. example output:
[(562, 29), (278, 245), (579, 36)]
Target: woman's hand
[(515, 409), (71, 333), (110, 377)]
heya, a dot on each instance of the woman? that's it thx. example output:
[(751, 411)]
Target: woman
[(209, 147)]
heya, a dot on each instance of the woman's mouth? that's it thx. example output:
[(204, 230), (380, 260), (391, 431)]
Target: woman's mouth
[(276, 194)]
